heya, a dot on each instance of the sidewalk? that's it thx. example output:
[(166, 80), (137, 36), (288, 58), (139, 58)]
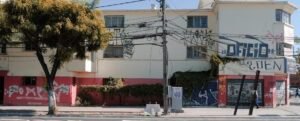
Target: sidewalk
[(71, 111), (283, 111)]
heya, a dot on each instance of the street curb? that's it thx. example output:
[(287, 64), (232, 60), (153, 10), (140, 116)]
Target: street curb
[(74, 113)]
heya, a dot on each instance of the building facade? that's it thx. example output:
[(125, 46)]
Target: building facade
[(263, 39), (257, 31)]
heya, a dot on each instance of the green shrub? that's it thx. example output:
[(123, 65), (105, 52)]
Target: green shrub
[(143, 91)]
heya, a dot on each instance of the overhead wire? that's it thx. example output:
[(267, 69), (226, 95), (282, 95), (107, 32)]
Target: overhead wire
[(233, 35), (122, 3)]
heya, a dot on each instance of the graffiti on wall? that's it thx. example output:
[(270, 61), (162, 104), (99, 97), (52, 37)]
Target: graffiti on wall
[(263, 46), (233, 89), (248, 50), (203, 96), (35, 93), (201, 37), (268, 64)]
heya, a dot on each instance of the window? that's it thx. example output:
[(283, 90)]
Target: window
[(283, 16), (29, 46), (280, 49), (114, 21), (107, 81), (113, 51), (197, 22), (2, 48), (29, 81), (194, 52)]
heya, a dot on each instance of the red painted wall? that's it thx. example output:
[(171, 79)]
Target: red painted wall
[(88, 81), (16, 93), (269, 88)]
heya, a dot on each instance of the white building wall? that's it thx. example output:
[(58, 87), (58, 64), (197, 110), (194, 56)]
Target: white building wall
[(246, 19), (146, 61)]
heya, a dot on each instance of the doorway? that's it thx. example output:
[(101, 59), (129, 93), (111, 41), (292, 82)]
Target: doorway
[(280, 92), (1, 90)]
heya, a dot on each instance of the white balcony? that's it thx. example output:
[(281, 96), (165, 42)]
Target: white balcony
[(283, 32)]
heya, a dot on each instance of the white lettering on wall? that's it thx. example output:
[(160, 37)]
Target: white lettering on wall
[(35, 93)]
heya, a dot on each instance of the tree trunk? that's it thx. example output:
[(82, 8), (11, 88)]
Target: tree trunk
[(50, 79), (51, 102)]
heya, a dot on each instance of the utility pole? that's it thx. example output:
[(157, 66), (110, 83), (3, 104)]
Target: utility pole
[(165, 57)]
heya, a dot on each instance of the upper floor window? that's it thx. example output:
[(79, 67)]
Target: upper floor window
[(2, 48), (29, 46), (280, 49), (194, 52), (113, 51), (114, 21), (29, 81), (197, 22), (283, 16)]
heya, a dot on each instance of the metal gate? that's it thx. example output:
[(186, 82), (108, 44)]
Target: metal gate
[(280, 92), (233, 86)]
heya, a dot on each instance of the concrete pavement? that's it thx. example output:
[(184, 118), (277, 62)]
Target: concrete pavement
[(283, 111)]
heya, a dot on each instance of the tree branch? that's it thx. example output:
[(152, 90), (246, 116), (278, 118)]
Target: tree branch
[(42, 61), (56, 64), (39, 54)]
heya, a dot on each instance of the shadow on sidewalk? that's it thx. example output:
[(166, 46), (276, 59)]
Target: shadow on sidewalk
[(12, 112)]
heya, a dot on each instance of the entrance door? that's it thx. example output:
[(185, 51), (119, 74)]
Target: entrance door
[(1, 90), (280, 92)]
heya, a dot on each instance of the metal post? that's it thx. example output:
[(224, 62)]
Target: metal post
[(165, 58), (239, 97), (254, 93)]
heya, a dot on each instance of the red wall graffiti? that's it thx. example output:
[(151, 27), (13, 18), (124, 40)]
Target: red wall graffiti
[(16, 93)]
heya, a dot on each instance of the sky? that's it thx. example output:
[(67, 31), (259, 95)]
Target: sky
[(187, 4)]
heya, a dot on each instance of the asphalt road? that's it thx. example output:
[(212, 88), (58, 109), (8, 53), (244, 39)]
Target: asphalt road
[(269, 118)]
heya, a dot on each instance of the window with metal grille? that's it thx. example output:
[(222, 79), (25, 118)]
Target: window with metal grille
[(195, 52), (114, 21), (280, 49), (197, 22), (107, 81), (113, 51), (2, 48), (29, 81), (29, 46)]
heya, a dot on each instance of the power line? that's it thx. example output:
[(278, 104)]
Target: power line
[(232, 35), (123, 3)]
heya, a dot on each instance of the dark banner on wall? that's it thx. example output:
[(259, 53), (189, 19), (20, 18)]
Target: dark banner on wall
[(203, 96), (233, 87)]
